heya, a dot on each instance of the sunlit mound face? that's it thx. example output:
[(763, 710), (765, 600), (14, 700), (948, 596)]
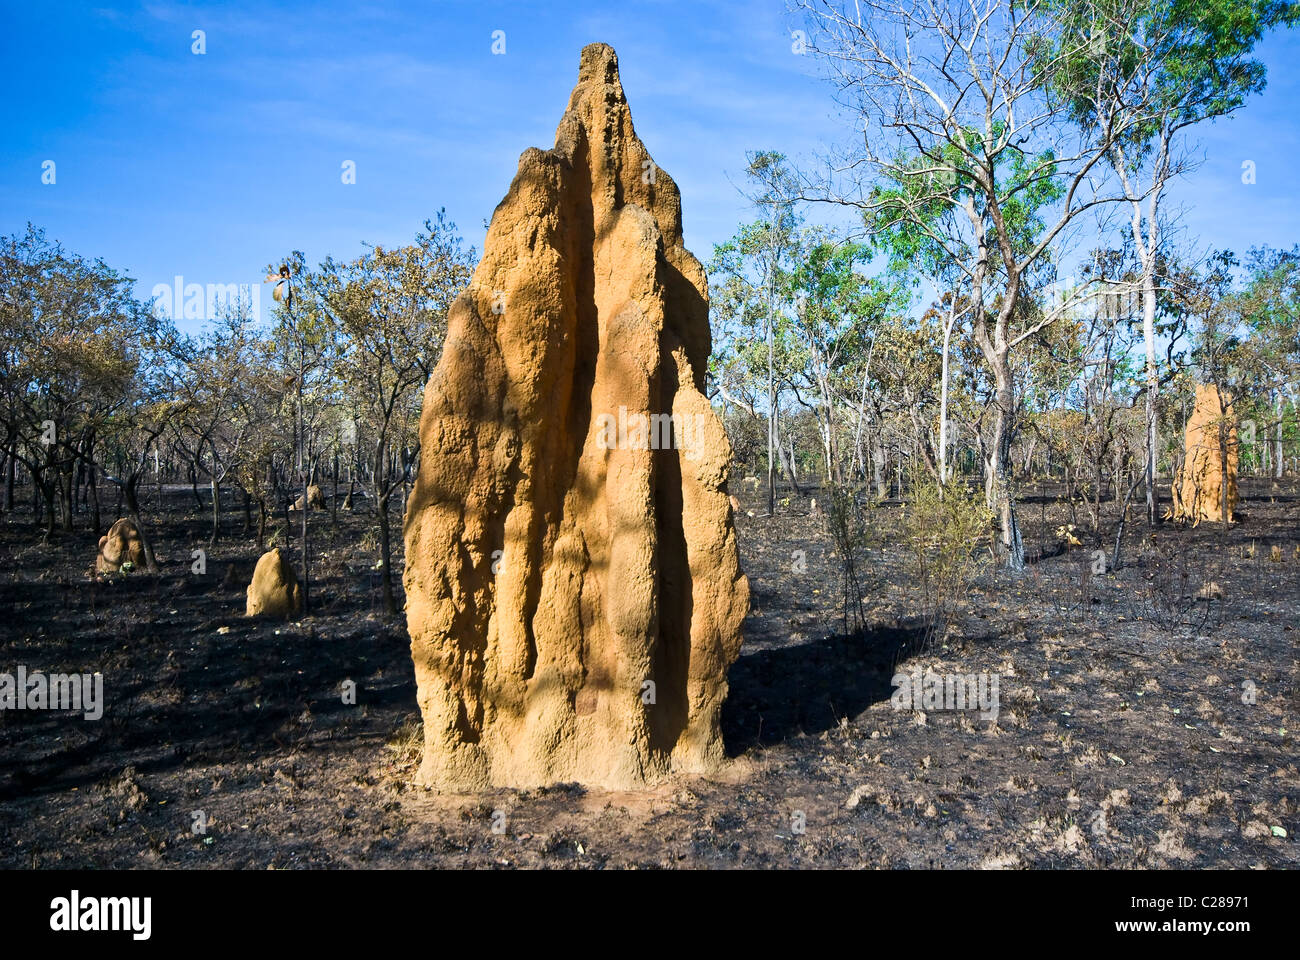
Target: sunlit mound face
[(574, 594)]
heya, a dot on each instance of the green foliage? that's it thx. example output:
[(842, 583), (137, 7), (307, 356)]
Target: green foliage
[(907, 209), (1190, 60)]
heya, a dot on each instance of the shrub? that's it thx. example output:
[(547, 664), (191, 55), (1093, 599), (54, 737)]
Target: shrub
[(944, 531)]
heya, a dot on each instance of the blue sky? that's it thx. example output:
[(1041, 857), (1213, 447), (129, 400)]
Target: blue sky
[(212, 165)]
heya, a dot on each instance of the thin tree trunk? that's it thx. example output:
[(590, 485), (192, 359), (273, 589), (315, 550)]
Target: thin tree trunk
[(1003, 494), (133, 510), (216, 512), (92, 490), (772, 443), (334, 495), (385, 553), (1277, 441), (49, 492), (66, 497), (787, 466), (37, 493), (943, 396), (11, 469), (306, 479), (878, 465)]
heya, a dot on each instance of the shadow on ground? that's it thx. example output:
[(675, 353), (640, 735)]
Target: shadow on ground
[(805, 688)]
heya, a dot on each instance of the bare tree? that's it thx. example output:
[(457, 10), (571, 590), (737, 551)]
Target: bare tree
[(965, 85), (390, 307), (1184, 63)]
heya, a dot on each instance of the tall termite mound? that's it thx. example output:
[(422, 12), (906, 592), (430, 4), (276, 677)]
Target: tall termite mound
[(574, 593), (1210, 443)]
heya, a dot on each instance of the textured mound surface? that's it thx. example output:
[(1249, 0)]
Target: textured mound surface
[(1198, 492), (275, 591), (574, 594), (315, 499), (122, 544)]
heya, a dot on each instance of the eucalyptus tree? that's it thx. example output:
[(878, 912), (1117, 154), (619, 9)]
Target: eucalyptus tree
[(964, 87), (913, 221), (390, 308), (835, 308), (1269, 308), (1186, 61), (304, 343), (750, 270), (1247, 340)]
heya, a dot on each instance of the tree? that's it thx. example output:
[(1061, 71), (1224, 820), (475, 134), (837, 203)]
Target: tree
[(79, 356), (919, 229), (215, 376), (834, 308), (1246, 343), (965, 86), (304, 342), (390, 307), (750, 268), (1188, 61), (1269, 311)]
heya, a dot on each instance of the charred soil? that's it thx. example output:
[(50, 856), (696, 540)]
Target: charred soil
[(1124, 735)]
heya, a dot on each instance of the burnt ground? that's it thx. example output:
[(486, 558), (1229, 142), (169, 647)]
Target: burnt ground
[(1122, 738)]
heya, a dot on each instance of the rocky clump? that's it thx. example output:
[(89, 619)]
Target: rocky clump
[(1199, 487), (275, 591), (574, 593), (122, 545)]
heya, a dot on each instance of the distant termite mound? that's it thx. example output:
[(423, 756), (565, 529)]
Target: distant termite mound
[(315, 499), (121, 545), (574, 593), (275, 591), (1210, 442)]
